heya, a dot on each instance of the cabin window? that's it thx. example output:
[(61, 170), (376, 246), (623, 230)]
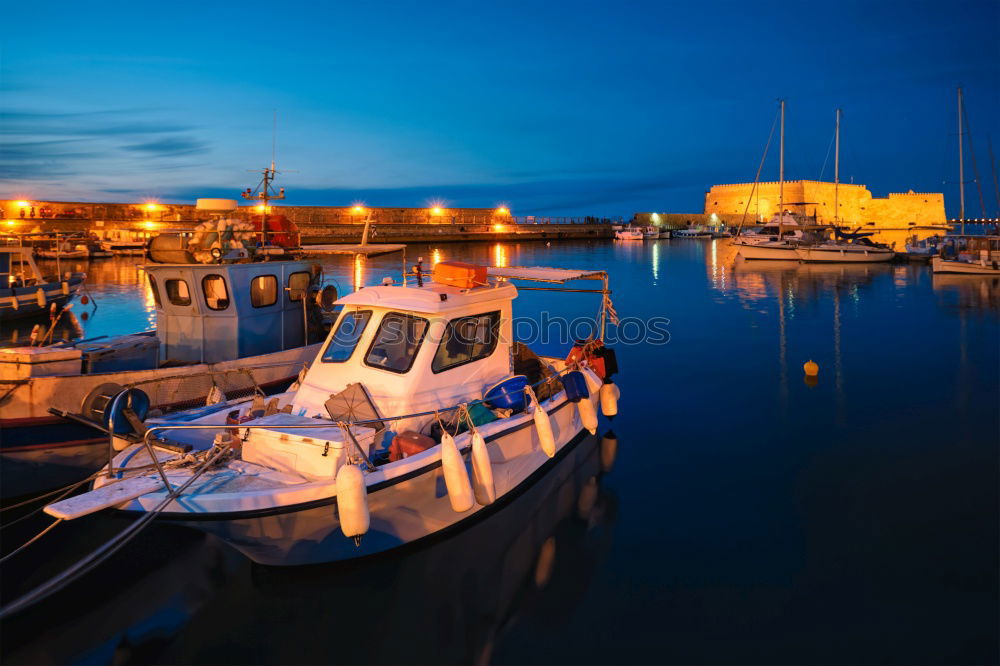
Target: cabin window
[(396, 342), (345, 338), (178, 292), (467, 339), (216, 294), (298, 283), (263, 291), (156, 292)]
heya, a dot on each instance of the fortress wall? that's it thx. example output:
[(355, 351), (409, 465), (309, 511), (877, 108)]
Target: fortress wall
[(815, 198)]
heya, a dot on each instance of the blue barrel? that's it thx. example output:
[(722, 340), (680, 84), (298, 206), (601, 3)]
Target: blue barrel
[(576, 386), (508, 394)]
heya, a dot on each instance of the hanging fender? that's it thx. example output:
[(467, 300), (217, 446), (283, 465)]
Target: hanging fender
[(543, 426), (352, 502), (456, 477), (482, 471)]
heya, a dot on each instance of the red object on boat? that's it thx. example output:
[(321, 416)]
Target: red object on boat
[(408, 443), (459, 274), (594, 361), (280, 230)]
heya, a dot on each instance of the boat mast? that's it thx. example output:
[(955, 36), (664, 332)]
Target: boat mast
[(781, 176), (961, 170), (993, 167), (836, 173)]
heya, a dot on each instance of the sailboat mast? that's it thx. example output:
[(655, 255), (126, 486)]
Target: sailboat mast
[(781, 175), (961, 168), (993, 167), (836, 173)]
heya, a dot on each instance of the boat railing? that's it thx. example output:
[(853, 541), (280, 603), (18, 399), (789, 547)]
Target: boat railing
[(184, 390)]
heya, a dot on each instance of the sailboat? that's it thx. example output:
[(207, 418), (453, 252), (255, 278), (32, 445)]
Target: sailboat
[(857, 249), (966, 260), (780, 249)]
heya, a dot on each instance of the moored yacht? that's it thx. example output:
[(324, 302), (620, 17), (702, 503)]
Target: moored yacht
[(418, 414)]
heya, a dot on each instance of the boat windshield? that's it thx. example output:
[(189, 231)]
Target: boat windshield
[(396, 342), (345, 338)]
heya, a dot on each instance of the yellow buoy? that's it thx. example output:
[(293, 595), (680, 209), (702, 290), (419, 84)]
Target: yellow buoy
[(811, 368)]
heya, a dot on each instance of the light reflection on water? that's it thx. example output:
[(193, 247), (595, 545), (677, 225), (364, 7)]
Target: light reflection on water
[(750, 515)]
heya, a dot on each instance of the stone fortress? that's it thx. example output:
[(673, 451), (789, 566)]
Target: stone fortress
[(811, 198)]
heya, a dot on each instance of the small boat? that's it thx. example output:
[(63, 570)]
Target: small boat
[(122, 241), (418, 415), (696, 231), (968, 255), (64, 250), (665, 233), (26, 292), (845, 252), (629, 234), (650, 232)]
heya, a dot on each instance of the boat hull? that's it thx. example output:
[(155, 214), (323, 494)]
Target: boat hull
[(844, 255), (765, 251), (27, 298), (404, 510), (939, 265), (40, 451)]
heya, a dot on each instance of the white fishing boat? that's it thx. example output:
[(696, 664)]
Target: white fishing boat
[(64, 250), (629, 234), (417, 416), (26, 292), (651, 232)]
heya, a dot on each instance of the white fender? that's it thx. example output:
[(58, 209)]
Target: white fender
[(352, 502), (609, 399), (482, 471), (65, 288), (40, 297), (544, 428), (593, 380), (456, 477), (588, 415)]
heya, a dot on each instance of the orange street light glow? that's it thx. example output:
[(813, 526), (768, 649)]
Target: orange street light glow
[(436, 210), (23, 204), (149, 224), (502, 210), (358, 208), (497, 227), (151, 207)]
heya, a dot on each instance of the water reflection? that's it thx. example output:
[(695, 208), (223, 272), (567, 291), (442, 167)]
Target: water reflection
[(449, 601)]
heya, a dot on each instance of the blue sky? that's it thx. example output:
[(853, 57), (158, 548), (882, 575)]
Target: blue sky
[(555, 108)]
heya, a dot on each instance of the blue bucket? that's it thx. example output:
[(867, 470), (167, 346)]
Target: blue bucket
[(576, 386), (508, 394)]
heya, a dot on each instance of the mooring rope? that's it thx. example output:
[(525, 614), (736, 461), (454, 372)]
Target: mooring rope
[(30, 541), (104, 551)]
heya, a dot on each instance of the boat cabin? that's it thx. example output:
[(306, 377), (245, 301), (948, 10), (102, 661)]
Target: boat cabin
[(414, 348), (209, 313)]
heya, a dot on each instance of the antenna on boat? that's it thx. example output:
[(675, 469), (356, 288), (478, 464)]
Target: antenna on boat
[(265, 191), (961, 167)]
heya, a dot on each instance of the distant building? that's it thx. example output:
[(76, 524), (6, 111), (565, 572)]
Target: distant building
[(811, 198)]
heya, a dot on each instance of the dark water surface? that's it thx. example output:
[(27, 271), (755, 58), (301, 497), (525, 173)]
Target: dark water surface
[(748, 517)]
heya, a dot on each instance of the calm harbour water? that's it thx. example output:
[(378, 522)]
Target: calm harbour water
[(748, 517)]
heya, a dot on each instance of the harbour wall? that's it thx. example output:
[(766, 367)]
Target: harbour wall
[(317, 224)]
